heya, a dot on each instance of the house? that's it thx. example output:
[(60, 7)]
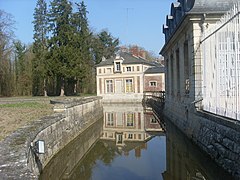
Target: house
[(202, 56), (183, 52), (125, 78)]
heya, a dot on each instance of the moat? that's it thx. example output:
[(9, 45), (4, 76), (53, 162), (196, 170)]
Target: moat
[(130, 142)]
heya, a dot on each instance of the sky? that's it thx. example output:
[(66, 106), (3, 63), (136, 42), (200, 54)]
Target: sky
[(134, 22)]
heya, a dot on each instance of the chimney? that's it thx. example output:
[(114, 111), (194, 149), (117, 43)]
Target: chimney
[(142, 54), (134, 51)]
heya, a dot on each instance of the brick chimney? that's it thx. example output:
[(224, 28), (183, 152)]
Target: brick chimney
[(142, 54), (134, 51)]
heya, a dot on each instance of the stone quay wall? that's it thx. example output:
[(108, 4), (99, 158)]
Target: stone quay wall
[(19, 159), (219, 137)]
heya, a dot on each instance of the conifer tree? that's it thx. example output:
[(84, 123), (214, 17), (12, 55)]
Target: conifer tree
[(60, 52), (84, 58), (104, 45), (40, 48)]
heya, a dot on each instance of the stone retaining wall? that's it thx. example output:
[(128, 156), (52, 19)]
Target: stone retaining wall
[(64, 163), (19, 159)]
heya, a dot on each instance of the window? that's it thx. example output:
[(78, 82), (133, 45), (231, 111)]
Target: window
[(129, 85), (128, 68), (153, 121), (109, 117), (109, 86), (178, 70), (186, 67), (138, 68), (100, 71), (130, 119), (130, 136), (153, 84), (117, 66)]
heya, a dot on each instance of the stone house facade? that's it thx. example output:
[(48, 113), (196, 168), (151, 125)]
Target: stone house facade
[(182, 50), (125, 78)]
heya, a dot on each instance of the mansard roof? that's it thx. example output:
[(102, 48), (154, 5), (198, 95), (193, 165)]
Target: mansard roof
[(182, 8), (127, 59), (212, 6)]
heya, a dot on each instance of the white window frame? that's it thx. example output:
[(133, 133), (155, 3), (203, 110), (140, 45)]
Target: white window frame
[(129, 68), (109, 118), (130, 119), (109, 86), (128, 89), (130, 136), (117, 66)]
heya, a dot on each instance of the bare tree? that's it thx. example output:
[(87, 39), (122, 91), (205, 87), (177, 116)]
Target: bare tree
[(6, 42)]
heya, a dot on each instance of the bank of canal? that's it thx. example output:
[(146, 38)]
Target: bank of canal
[(129, 143)]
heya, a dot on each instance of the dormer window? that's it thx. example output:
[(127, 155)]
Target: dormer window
[(118, 64), (117, 67)]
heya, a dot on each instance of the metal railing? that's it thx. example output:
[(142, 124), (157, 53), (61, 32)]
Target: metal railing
[(156, 95), (221, 66)]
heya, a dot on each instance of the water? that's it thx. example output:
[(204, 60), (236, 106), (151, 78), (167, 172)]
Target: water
[(133, 145)]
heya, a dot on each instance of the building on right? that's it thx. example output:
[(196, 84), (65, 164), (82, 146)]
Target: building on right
[(202, 77), (202, 60)]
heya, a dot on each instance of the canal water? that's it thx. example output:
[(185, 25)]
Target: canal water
[(131, 143)]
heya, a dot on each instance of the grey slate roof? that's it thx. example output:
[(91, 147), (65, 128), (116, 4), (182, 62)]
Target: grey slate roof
[(127, 59), (156, 69), (183, 8), (212, 6)]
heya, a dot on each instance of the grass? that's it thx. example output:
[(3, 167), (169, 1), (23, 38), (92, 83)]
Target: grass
[(23, 105), (16, 112)]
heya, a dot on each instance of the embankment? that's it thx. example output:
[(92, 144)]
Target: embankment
[(19, 158)]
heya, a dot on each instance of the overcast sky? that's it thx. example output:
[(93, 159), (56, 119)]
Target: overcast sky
[(132, 21)]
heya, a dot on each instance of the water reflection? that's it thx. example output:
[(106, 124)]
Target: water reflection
[(133, 145), (186, 161), (128, 123)]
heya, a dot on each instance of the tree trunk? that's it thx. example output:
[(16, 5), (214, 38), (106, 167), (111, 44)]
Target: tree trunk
[(44, 87), (62, 88)]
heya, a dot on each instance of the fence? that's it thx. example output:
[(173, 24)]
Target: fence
[(221, 66)]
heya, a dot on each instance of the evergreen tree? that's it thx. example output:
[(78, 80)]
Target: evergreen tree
[(84, 58), (40, 48), (104, 45), (60, 53)]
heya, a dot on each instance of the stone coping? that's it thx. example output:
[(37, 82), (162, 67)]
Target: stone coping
[(231, 123)]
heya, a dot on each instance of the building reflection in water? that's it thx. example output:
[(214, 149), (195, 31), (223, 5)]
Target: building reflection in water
[(126, 124)]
